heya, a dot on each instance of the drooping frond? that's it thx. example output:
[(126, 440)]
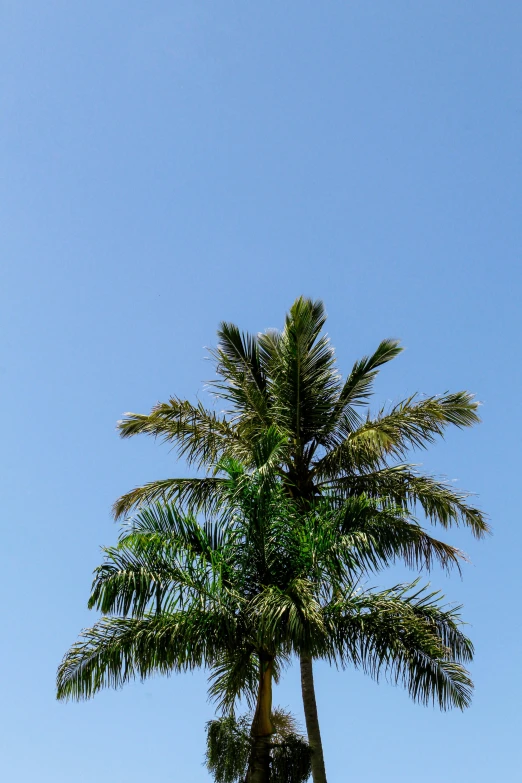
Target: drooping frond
[(229, 745), (234, 675), (116, 650), (377, 536), (443, 619), (403, 486), (228, 748), (411, 639), (291, 760)]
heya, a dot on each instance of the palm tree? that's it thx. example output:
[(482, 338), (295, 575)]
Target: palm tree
[(246, 591), (332, 445)]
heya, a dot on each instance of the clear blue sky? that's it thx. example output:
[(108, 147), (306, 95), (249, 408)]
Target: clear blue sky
[(168, 165)]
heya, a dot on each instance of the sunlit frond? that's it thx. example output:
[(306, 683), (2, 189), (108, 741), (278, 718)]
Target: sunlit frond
[(409, 636), (243, 382), (416, 423), (194, 493), (199, 435), (116, 650), (411, 424), (403, 486), (357, 388), (377, 536), (300, 367)]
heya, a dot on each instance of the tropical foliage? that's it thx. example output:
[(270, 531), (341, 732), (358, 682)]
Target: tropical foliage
[(288, 381), (326, 442), (229, 745), (244, 591)]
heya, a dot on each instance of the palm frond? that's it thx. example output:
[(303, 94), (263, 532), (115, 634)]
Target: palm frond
[(403, 486), (162, 557), (376, 536), (411, 638), (269, 450), (357, 388), (116, 650), (291, 760), (234, 675), (411, 424), (196, 494), (168, 527), (416, 423), (243, 380), (288, 619), (228, 748), (300, 367), (126, 583), (199, 435), (285, 724)]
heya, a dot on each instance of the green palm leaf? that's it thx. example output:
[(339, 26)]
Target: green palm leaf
[(197, 494), (402, 485), (116, 650), (357, 388), (411, 638)]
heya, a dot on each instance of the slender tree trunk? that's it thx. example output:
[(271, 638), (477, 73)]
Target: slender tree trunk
[(262, 729), (312, 719), (259, 766)]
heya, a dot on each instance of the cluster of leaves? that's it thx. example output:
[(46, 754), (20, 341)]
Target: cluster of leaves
[(178, 595), (229, 746)]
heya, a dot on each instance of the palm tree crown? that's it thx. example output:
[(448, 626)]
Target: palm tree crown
[(288, 381)]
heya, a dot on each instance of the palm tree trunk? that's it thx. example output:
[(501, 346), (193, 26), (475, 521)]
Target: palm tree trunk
[(262, 729), (259, 766), (312, 719)]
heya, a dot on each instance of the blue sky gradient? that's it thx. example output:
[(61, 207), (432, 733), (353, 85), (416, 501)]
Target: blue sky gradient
[(169, 165)]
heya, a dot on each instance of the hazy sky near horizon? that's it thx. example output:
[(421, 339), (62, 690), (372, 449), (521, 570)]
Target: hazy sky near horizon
[(166, 166)]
